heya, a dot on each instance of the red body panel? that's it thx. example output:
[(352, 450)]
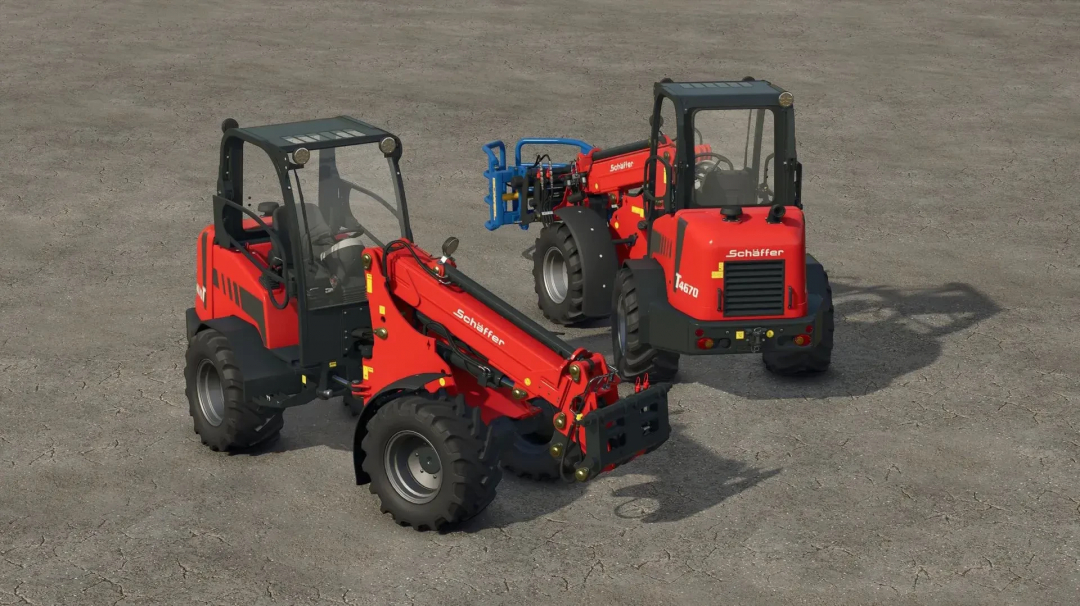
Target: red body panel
[(240, 293), (709, 241)]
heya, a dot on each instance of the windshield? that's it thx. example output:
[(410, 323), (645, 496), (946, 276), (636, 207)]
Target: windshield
[(734, 164), (347, 199)]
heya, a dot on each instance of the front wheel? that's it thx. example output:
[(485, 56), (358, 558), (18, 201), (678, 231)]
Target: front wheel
[(432, 461), (557, 275), (223, 417), (633, 358)]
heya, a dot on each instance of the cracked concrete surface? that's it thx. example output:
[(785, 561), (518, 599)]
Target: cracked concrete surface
[(936, 463)]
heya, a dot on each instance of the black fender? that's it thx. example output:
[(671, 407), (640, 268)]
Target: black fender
[(817, 279), (599, 262), (194, 324), (264, 373), (410, 384), (651, 293)]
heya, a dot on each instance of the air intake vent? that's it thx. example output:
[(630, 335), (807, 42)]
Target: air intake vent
[(753, 288)]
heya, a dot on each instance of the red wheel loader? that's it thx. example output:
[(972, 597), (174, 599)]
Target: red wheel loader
[(693, 239), (321, 293)]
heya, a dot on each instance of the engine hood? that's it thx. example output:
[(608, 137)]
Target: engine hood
[(749, 238)]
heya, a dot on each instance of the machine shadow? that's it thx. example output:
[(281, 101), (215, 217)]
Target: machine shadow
[(325, 423), (677, 490), (882, 333)]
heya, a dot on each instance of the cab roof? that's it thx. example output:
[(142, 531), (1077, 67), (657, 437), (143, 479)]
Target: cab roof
[(312, 134), (722, 94)]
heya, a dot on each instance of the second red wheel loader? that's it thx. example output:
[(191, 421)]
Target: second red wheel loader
[(692, 240), (321, 293)]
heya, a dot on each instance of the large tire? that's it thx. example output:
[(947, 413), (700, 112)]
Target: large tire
[(814, 360), (633, 358), (461, 481), (557, 275), (527, 454), (224, 419)]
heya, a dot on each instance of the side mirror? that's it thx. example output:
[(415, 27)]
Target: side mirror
[(450, 246)]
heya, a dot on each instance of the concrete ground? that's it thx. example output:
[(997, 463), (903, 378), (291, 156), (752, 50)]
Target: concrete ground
[(935, 464)]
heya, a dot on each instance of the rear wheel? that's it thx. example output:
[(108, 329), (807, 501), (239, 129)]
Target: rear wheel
[(432, 461), (633, 358), (815, 359), (557, 275), (223, 418), (527, 454)]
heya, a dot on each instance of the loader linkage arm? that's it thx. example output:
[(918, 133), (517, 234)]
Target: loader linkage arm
[(429, 314)]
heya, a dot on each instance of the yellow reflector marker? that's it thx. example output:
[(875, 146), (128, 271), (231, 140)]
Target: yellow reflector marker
[(303, 379), (719, 273), (770, 334), (739, 335), (333, 365), (367, 371), (382, 310), (639, 211), (369, 283), (442, 382), (616, 225), (528, 381)]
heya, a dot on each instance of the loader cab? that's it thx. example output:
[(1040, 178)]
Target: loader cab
[(734, 147), (339, 192)]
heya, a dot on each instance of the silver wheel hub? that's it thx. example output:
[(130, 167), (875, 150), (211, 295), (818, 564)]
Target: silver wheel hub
[(210, 392), (413, 467), (556, 275)]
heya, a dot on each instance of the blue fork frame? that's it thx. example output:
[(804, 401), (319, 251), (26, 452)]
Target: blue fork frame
[(498, 175)]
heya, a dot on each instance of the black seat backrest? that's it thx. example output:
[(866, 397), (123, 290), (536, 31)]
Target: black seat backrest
[(283, 236), (728, 188)]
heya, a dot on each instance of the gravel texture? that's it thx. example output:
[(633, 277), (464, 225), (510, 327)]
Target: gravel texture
[(936, 463)]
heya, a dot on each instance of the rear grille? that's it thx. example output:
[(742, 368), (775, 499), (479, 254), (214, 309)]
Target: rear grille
[(753, 288)]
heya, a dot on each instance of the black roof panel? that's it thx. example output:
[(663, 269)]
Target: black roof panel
[(724, 94), (327, 132)]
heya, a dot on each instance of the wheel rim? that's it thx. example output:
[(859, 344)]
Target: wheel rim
[(556, 277), (413, 466), (211, 394)]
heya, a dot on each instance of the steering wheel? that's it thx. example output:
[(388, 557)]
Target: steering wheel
[(703, 169)]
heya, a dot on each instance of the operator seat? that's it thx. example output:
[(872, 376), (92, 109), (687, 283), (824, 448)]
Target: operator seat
[(318, 232), (727, 188)]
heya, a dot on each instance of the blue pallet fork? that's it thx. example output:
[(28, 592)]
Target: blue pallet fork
[(503, 203)]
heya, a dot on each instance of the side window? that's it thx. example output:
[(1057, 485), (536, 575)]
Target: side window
[(261, 183)]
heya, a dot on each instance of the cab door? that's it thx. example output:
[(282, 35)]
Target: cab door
[(345, 199)]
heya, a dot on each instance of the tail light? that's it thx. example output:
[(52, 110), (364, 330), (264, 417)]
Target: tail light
[(802, 340), (705, 343)]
